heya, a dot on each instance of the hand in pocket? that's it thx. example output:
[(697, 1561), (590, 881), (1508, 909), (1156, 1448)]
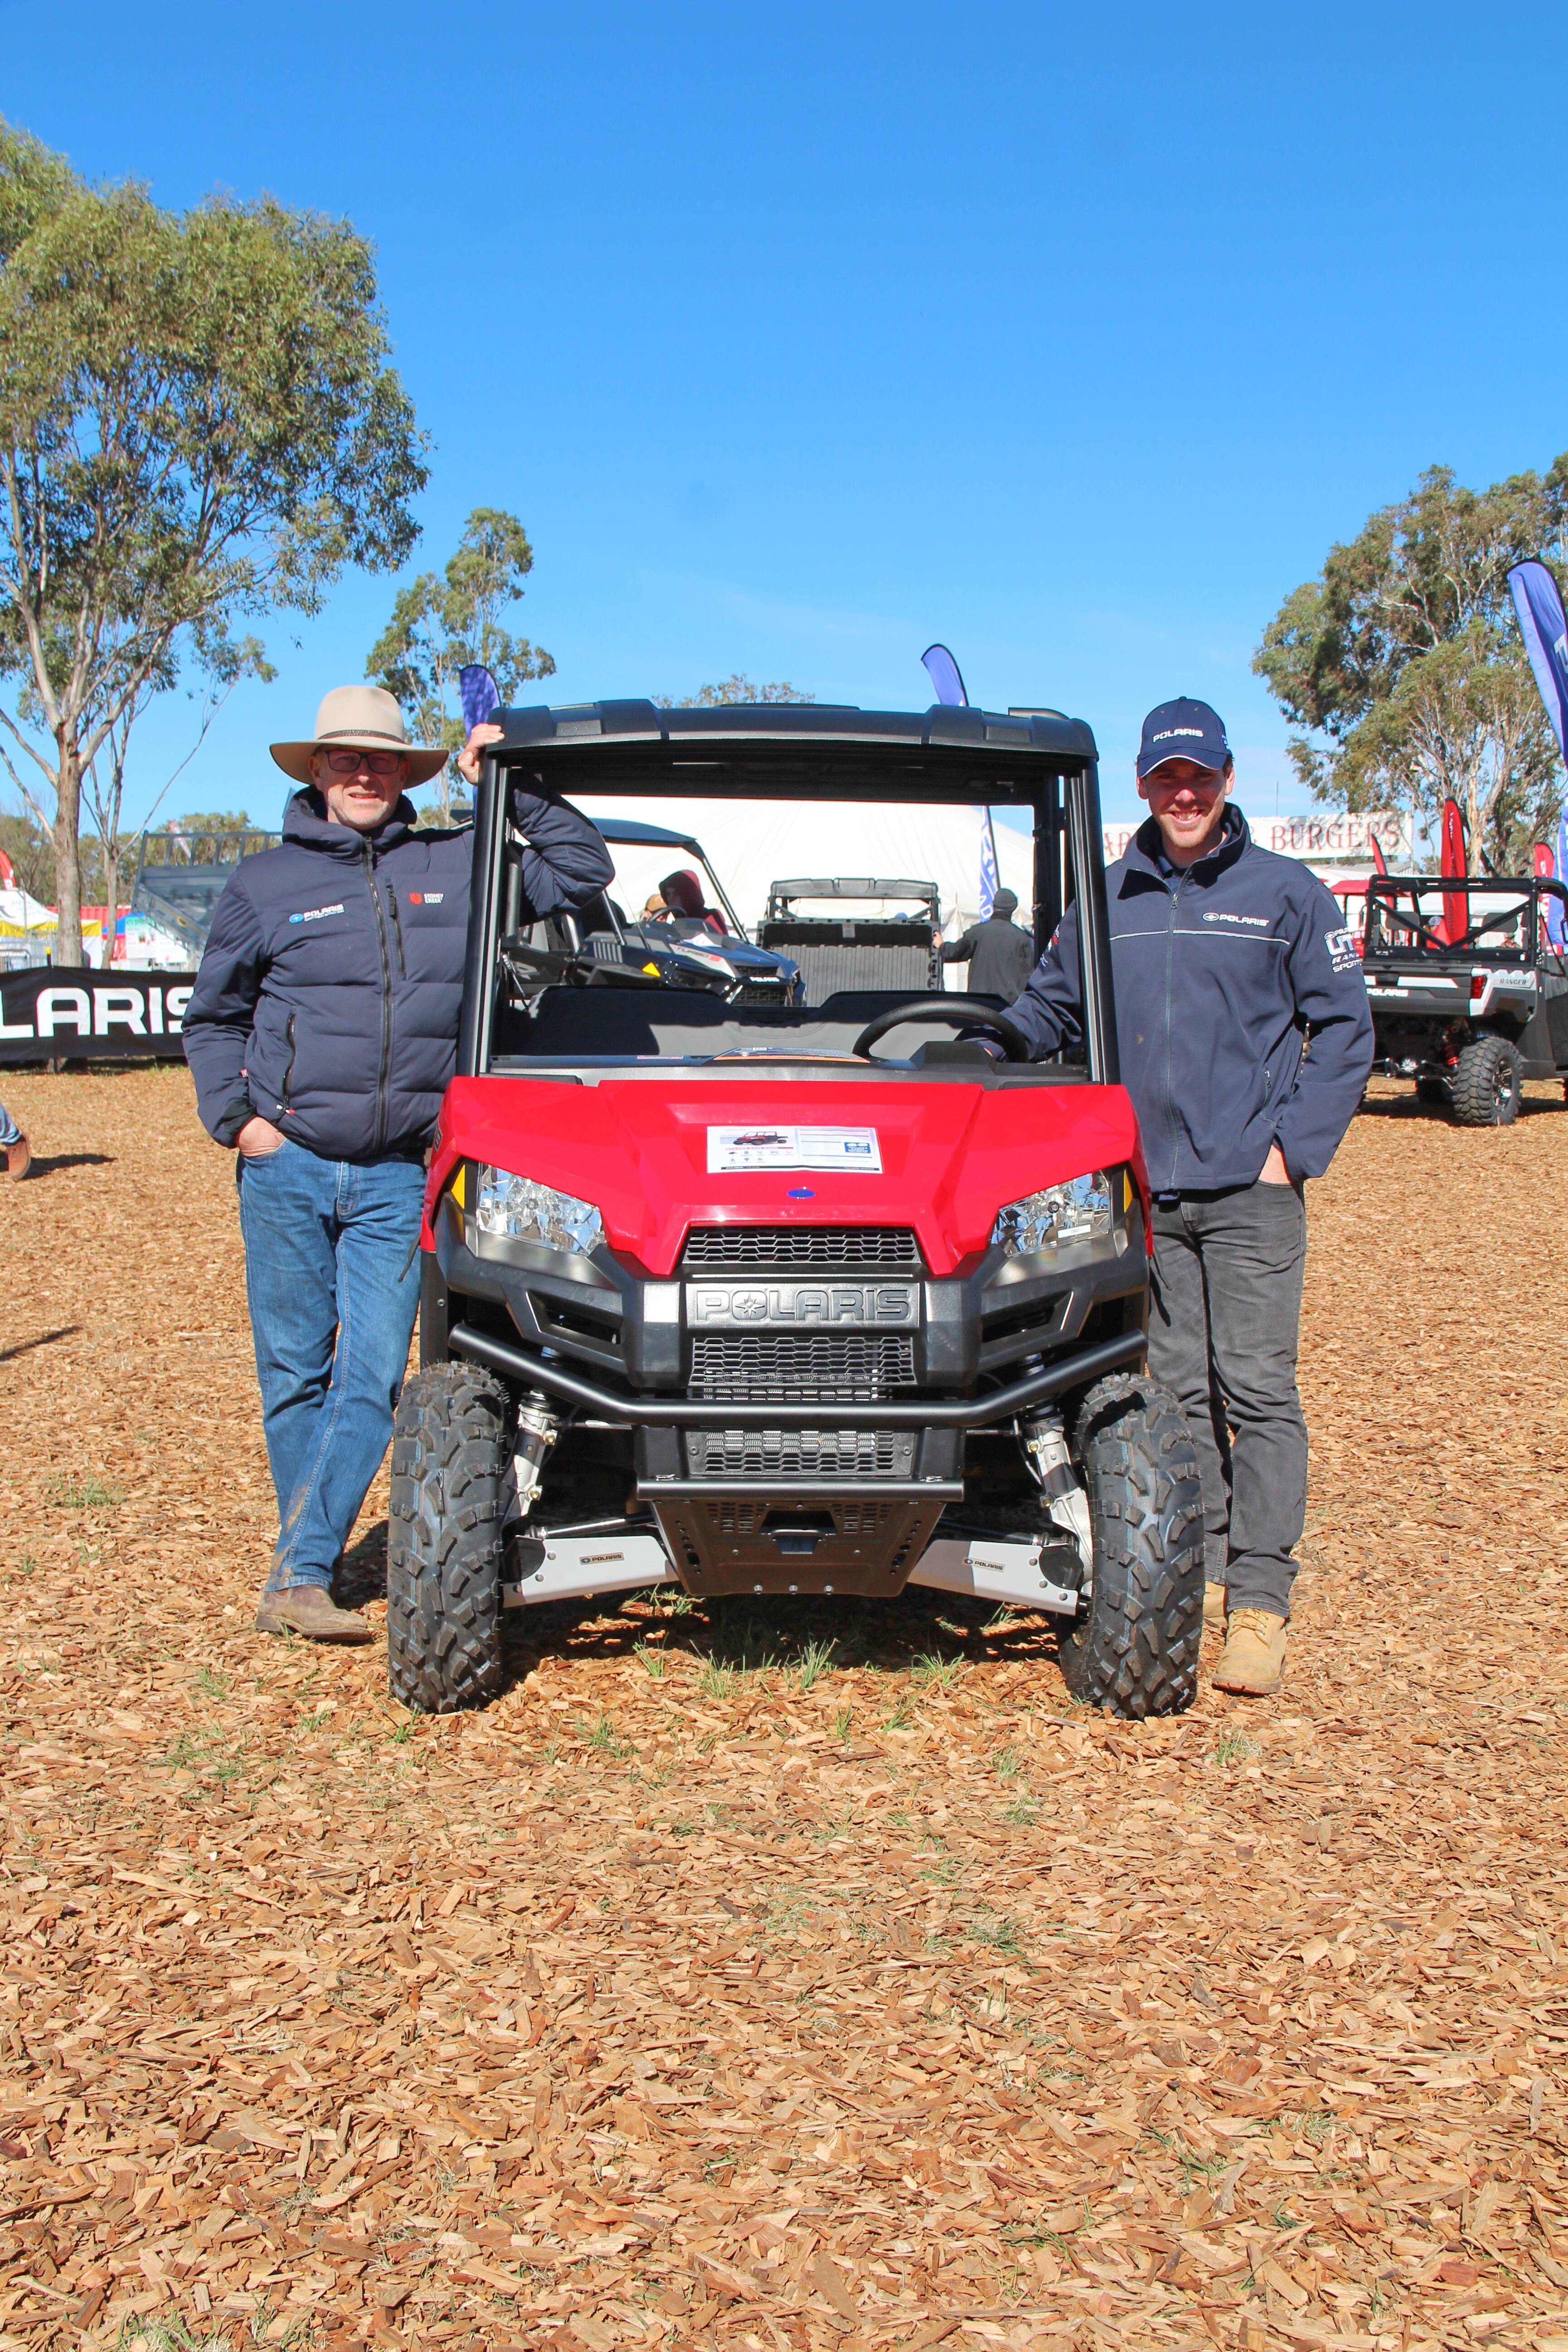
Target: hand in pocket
[(259, 1140)]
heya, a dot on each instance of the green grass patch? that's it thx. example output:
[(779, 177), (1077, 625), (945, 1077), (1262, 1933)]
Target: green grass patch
[(813, 1662), (89, 1493), (930, 1673)]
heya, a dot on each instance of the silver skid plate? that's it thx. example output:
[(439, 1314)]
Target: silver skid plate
[(1006, 1572), (576, 1566)]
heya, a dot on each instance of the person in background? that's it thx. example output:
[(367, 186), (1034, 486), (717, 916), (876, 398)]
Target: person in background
[(15, 1145), (322, 1033), (1225, 957), (999, 955), (682, 895)]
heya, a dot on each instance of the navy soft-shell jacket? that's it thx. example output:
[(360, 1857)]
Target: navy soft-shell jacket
[(1217, 971), (330, 989)]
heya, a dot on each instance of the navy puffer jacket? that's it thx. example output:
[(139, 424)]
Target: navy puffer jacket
[(329, 989)]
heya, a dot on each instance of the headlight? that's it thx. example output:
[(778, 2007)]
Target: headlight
[(517, 1206), (1078, 1211)]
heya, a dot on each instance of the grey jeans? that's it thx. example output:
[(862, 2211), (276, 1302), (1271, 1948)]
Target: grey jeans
[(1224, 1320)]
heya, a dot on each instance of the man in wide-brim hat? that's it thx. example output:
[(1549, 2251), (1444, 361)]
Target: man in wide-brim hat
[(322, 1033)]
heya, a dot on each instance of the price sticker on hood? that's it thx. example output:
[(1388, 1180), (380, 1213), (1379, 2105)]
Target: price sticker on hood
[(830, 1150)]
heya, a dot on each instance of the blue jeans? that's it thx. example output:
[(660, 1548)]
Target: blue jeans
[(330, 1273)]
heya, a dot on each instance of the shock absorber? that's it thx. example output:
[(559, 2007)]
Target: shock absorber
[(537, 1431), (1044, 1442)]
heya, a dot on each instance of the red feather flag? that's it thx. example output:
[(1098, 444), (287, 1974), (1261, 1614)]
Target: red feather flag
[(1454, 862)]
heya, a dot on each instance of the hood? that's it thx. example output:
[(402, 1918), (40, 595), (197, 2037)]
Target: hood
[(305, 820), (951, 1154)]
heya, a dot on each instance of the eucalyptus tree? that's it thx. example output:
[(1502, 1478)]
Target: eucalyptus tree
[(199, 424), (1401, 659), (442, 622)]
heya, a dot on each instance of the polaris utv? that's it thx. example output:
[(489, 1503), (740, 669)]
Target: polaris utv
[(815, 1298), (1468, 992)]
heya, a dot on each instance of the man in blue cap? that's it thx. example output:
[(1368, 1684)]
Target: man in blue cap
[(1226, 958)]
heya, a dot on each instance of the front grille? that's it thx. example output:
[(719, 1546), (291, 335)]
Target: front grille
[(761, 992), (799, 1454), (764, 1367), (790, 1245)]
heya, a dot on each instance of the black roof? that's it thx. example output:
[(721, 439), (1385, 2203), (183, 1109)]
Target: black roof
[(796, 751), (627, 833)]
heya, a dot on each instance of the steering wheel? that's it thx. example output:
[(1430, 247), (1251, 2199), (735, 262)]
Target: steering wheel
[(944, 1008)]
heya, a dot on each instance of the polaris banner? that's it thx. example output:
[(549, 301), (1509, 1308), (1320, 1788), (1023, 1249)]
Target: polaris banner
[(48, 1013), (1541, 624)]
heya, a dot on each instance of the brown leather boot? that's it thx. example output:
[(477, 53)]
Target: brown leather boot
[(18, 1157), (1253, 1660), (309, 1608)]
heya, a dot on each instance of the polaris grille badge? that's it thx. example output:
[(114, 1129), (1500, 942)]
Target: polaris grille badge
[(884, 1304)]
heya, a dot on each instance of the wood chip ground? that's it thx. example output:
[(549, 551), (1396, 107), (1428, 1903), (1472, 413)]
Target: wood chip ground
[(819, 1976)]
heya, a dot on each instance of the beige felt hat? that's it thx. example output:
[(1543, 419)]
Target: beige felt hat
[(359, 719)]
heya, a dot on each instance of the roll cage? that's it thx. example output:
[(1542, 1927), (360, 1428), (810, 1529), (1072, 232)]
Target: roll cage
[(1044, 763), (1482, 917)]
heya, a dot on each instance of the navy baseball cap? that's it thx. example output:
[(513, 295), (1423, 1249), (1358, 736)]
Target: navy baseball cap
[(1182, 730)]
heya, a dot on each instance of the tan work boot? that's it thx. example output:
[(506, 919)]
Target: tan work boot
[(1214, 1598), (309, 1608), (1253, 1660)]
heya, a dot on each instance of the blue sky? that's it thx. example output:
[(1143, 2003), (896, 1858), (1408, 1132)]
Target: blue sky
[(801, 335)]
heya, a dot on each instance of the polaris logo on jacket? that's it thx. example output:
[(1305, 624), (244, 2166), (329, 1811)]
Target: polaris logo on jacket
[(315, 914)]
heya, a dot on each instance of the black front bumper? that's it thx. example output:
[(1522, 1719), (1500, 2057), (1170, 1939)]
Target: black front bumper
[(796, 1432)]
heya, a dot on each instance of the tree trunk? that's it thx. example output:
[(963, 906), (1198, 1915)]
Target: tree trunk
[(110, 900), (68, 950)]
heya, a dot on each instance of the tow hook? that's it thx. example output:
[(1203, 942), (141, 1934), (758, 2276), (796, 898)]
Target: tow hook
[(1046, 1451)]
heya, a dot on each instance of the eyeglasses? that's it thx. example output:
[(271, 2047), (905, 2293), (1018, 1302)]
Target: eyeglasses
[(379, 763)]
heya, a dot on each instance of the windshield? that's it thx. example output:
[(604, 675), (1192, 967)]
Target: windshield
[(1484, 920)]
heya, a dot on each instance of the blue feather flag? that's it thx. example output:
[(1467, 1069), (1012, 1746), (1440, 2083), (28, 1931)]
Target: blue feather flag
[(989, 883), (1541, 624), (944, 677), (482, 695)]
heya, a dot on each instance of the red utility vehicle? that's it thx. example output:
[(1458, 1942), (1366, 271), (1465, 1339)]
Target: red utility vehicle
[(788, 1298)]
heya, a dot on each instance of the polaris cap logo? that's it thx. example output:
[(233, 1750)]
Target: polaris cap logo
[(783, 1306), (315, 914)]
